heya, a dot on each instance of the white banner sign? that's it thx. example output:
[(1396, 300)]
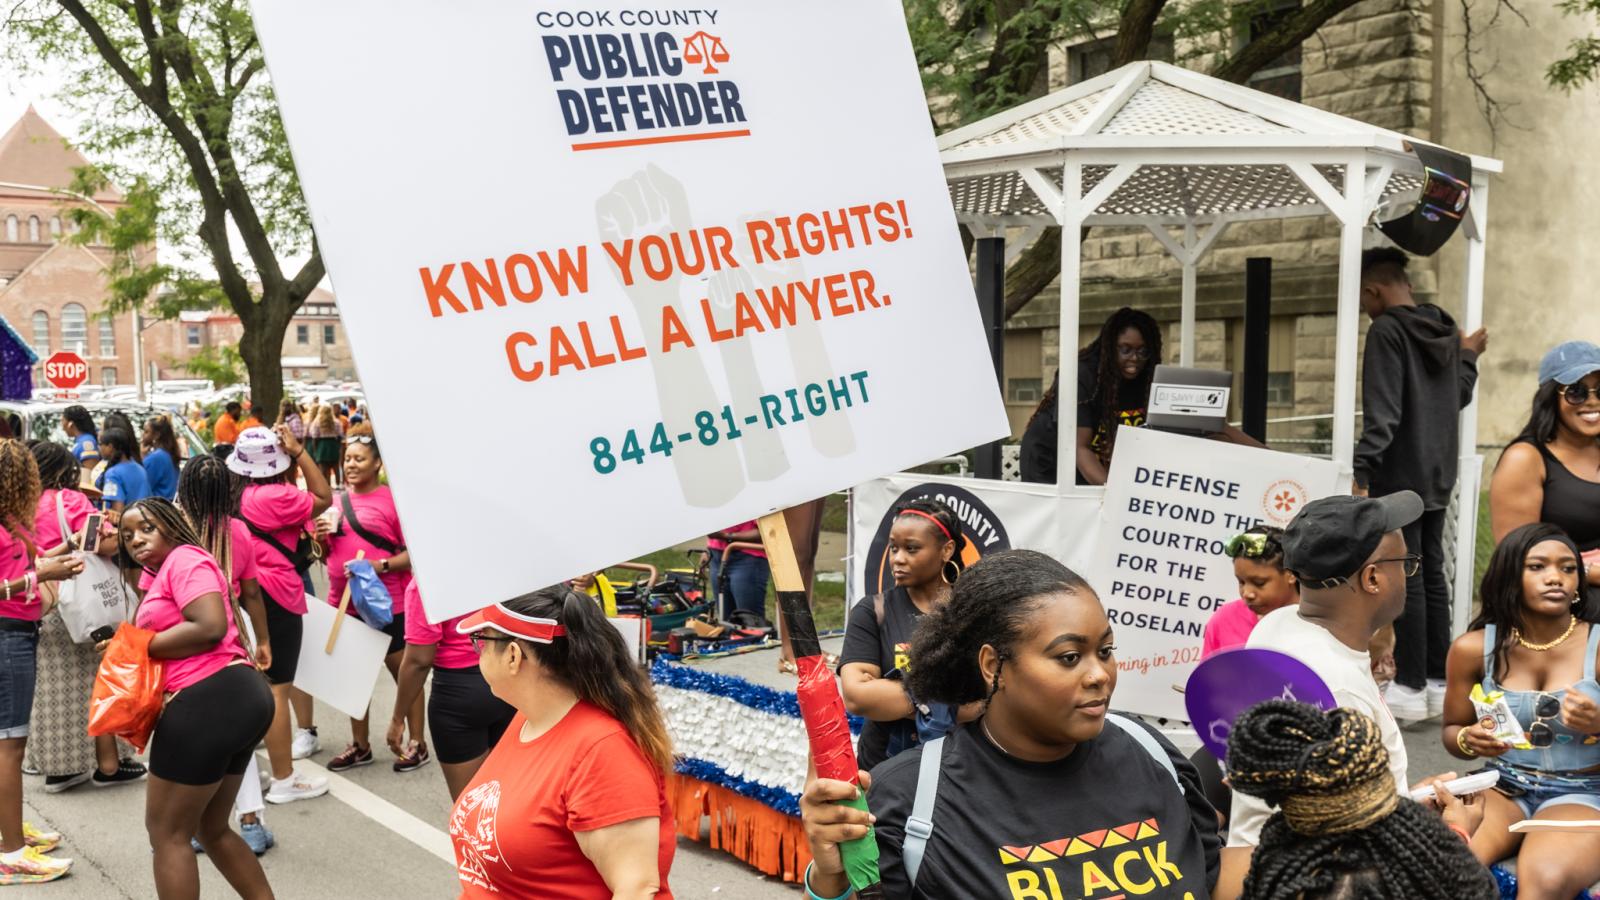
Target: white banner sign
[(616, 276), (1171, 504)]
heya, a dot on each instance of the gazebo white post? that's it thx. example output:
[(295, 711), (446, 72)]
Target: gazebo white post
[(1471, 470), (1190, 260), (1352, 218), (1071, 216)]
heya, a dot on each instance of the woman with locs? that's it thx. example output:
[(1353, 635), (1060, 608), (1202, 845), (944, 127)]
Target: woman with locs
[(217, 706), (924, 556), (1536, 641), (1027, 638)]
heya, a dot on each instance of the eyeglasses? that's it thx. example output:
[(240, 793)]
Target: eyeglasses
[(1413, 562), (1251, 545), (1127, 352), (478, 640), (1540, 734), (1579, 394)]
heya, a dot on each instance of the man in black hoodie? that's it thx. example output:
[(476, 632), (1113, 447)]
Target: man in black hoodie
[(1418, 373)]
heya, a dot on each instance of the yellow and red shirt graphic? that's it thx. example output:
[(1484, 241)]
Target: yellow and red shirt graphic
[(1117, 863)]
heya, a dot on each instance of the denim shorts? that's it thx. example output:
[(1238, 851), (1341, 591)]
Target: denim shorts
[(18, 669), (1533, 791)]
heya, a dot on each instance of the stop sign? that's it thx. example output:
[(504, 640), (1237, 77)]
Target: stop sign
[(66, 370)]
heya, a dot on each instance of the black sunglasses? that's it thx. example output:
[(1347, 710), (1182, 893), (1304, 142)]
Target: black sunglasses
[(1579, 394), (1540, 734)]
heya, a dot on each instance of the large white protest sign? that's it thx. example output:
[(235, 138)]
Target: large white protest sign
[(616, 276), (345, 678), (1171, 503)]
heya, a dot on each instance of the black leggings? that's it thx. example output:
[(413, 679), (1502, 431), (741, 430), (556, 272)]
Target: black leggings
[(284, 630), (211, 728), (464, 716)]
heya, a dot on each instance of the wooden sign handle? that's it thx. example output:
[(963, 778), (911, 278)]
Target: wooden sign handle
[(344, 604)]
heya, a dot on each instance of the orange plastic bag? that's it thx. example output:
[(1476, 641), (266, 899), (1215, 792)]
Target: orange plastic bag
[(127, 690)]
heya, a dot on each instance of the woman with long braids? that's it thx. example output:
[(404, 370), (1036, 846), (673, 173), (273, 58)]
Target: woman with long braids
[(1536, 641), (370, 527), (218, 706), (1048, 793), (1341, 830), (124, 480), (22, 847), (1114, 376), (60, 747), (571, 803), (205, 494), (924, 553)]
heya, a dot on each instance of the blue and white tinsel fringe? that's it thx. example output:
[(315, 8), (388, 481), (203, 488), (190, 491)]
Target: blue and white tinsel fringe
[(734, 733)]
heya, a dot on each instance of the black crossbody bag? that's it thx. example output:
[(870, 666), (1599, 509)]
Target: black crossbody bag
[(387, 546)]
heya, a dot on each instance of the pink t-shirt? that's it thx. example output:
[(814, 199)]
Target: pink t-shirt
[(15, 560), (187, 574), (1228, 627), (47, 524), (453, 649), (282, 511), (376, 511), (244, 558), (719, 545)]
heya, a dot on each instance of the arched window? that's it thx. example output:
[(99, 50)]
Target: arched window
[(74, 328), (41, 333), (33, 229), (11, 229), (108, 338), (55, 227)]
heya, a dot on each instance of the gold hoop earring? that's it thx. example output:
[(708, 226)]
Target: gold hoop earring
[(950, 566)]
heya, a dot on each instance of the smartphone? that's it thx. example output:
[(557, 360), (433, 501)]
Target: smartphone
[(90, 542), (103, 633)]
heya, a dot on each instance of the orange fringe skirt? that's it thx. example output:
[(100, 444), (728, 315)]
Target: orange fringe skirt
[(747, 829)]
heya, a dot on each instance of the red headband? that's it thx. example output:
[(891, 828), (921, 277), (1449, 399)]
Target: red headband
[(529, 628), (940, 525)]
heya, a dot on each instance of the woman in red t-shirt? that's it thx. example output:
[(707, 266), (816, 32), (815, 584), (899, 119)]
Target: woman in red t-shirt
[(217, 704), (571, 802)]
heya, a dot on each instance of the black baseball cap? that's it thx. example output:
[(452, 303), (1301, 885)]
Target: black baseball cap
[(1333, 537)]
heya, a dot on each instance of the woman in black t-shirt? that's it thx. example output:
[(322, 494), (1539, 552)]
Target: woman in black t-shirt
[(925, 544), (1037, 798), (1114, 376)]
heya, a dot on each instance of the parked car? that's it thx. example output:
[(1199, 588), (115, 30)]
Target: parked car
[(41, 420)]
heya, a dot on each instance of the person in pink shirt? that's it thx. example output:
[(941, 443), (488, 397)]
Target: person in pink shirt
[(1264, 585), (369, 527), (217, 704), (22, 847), (60, 747), (276, 511), (465, 717), (745, 571)]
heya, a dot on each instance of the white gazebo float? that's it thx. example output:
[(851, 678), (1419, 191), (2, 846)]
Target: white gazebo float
[(1186, 155)]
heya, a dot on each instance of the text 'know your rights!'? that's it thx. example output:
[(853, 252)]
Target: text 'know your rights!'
[(751, 302)]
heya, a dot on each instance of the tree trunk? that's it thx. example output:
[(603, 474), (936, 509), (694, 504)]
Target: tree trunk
[(261, 346)]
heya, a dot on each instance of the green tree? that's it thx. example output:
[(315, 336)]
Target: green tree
[(175, 103), (1581, 65), (219, 365), (988, 55)]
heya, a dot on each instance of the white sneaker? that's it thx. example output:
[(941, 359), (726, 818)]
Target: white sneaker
[(1435, 690), (1407, 704), (296, 787), (306, 743)]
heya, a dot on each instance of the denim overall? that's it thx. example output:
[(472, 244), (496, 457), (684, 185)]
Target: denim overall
[(1548, 776)]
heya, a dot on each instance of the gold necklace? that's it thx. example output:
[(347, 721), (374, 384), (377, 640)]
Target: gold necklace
[(1572, 623)]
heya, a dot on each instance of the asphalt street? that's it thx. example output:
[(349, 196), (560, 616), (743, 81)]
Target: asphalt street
[(377, 834)]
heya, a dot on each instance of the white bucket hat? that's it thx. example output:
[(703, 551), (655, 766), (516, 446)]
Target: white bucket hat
[(257, 454)]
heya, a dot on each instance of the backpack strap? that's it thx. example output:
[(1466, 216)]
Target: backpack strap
[(919, 825), (272, 542), (384, 544), (1149, 743)]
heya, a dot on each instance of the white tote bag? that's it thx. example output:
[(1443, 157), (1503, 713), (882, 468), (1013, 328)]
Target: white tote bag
[(97, 597)]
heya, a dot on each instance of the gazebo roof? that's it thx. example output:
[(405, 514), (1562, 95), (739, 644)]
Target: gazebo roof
[(1205, 149)]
